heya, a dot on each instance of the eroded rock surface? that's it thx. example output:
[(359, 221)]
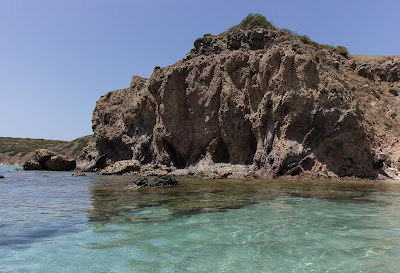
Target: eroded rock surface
[(32, 165), (275, 106), (159, 181)]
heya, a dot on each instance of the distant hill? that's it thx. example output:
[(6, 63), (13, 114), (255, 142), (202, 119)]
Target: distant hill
[(15, 151)]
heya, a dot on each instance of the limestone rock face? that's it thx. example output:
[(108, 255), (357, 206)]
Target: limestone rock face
[(60, 163), (275, 107), (121, 167)]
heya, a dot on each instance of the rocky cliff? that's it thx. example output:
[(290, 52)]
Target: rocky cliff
[(263, 97)]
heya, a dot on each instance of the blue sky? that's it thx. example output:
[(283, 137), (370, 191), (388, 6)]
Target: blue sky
[(57, 57)]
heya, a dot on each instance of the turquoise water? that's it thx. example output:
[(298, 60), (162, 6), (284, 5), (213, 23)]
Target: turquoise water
[(54, 222)]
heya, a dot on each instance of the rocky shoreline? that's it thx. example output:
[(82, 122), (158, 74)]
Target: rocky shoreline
[(47, 160), (232, 171)]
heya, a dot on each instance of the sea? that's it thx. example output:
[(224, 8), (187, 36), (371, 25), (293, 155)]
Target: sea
[(56, 222)]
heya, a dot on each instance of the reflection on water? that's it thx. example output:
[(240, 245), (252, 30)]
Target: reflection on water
[(52, 222), (111, 198)]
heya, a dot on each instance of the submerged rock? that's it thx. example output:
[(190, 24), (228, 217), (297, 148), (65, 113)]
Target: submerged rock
[(159, 181), (16, 170), (79, 174), (1, 176), (121, 167)]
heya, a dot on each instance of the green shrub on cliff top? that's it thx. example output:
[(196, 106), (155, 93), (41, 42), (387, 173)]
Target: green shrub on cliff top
[(252, 20), (342, 51)]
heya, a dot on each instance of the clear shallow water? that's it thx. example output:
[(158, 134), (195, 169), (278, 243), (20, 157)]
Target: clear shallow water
[(53, 222)]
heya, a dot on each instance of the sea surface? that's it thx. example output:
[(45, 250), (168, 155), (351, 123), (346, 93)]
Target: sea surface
[(55, 222)]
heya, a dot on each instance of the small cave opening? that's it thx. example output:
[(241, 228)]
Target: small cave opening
[(115, 150), (219, 153)]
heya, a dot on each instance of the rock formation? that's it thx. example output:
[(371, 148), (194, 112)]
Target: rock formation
[(159, 181), (121, 167), (48, 160), (60, 163), (260, 97), (32, 165)]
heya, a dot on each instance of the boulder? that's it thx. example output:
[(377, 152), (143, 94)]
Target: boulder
[(365, 71), (159, 181), (42, 155), (32, 165), (48, 160), (121, 167), (99, 163), (60, 163), (1, 176)]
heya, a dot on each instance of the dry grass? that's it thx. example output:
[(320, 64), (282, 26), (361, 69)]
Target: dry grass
[(366, 58)]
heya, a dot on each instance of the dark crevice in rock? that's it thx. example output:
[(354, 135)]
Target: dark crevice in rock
[(175, 157), (220, 154), (115, 150)]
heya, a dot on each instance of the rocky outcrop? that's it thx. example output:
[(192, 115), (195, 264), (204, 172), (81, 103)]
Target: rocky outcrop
[(60, 163), (384, 69), (92, 163), (48, 160), (159, 181), (43, 155), (32, 165), (121, 167), (252, 98)]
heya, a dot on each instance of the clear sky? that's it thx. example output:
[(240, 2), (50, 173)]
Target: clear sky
[(57, 57)]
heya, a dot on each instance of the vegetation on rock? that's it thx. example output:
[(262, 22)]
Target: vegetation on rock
[(256, 32), (252, 21)]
